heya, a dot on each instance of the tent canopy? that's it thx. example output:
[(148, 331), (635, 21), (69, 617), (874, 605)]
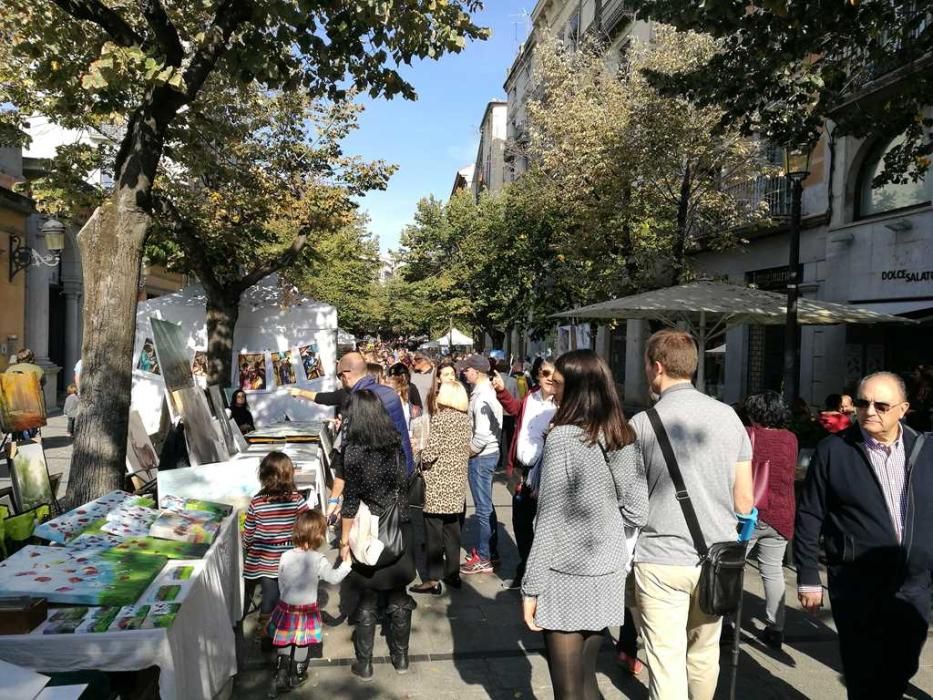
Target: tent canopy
[(454, 337)]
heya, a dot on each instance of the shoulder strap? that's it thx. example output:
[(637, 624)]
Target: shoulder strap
[(915, 452), (680, 489)]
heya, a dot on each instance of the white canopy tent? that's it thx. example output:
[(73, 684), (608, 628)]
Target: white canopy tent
[(708, 308), (455, 338)]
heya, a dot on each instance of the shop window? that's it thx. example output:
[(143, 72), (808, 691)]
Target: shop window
[(893, 196)]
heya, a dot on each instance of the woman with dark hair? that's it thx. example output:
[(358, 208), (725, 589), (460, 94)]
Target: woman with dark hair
[(374, 473), (592, 487), (398, 376), (239, 411), (774, 465)]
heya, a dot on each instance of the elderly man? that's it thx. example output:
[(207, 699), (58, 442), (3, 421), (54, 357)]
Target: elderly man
[(869, 494)]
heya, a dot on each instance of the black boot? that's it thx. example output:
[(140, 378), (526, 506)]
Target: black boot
[(299, 674), (363, 637), (398, 613), (279, 675)]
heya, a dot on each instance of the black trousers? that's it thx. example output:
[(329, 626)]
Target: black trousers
[(270, 594), (880, 640), (442, 545), (524, 509)]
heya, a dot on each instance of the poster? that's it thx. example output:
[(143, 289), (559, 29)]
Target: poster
[(220, 413), (311, 361), (30, 477), (22, 406), (252, 371), (199, 366), (140, 454), (147, 358), (173, 354), (91, 577), (283, 371), (203, 447)]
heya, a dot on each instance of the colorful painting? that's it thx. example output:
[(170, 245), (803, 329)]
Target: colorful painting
[(252, 371), (140, 454), (71, 524), (30, 476), (311, 361), (91, 577), (220, 413), (283, 371), (147, 358), (173, 583), (199, 431), (199, 365), (173, 354), (182, 527), (94, 540), (128, 520), (161, 547), (161, 615), (130, 617), (217, 511), (22, 406), (233, 483), (64, 620), (98, 619)]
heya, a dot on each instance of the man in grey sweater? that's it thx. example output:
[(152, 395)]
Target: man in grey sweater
[(486, 414)]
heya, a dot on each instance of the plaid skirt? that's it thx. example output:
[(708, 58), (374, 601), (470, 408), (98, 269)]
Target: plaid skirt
[(300, 625)]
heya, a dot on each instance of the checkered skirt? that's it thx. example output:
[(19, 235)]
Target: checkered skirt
[(300, 625)]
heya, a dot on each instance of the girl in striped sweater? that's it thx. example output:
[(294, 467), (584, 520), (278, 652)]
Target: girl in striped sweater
[(267, 534)]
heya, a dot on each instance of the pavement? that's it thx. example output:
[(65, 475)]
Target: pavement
[(471, 644)]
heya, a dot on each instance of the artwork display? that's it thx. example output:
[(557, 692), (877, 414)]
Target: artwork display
[(22, 405), (29, 474), (192, 407), (220, 413), (218, 511), (94, 540), (147, 358), (233, 483), (283, 371), (173, 354), (91, 577), (71, 524), (199, 365), (252, 371), (140, 454), (161, 547), (184, 527), (173, 583), (310, 361), (129, 520)]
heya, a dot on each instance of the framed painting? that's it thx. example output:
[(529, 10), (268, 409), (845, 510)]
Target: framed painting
[(252, 371), (310, 361), (172, 353), (192, 407), (283, 371), (29, 475), (22, 406)]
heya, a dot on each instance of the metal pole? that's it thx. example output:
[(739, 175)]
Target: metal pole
[(701, 351), (791, 331)]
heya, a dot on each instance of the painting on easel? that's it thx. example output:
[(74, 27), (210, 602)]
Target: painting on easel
[(22, 406)]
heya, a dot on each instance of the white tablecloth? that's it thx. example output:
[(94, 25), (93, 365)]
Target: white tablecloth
[(196, 656)]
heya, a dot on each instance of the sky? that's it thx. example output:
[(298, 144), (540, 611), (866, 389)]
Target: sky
[(432, 138)]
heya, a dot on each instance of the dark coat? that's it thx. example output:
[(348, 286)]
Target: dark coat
[(842, 500)]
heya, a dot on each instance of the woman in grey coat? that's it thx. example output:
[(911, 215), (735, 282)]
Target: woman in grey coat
[(592, 486)]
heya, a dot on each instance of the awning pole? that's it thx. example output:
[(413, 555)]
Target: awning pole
[(701, 350)]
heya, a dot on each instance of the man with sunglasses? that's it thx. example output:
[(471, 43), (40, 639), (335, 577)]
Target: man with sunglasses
[(869, 494)]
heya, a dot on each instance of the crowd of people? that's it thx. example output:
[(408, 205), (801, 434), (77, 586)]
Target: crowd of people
[(603, 536)]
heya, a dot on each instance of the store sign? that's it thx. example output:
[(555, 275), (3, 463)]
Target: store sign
[(907, 276)]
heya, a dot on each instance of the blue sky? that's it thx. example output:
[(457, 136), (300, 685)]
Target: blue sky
[(433, 137)]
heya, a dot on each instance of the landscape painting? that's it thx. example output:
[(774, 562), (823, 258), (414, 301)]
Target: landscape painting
[(30, 477), (172, 353), (283, 372), (22, 406), (252, 371), (311, 361)]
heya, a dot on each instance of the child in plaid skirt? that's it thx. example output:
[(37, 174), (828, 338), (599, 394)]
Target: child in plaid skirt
[(295, 625)]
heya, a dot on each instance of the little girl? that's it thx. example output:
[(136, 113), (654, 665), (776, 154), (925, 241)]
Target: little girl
[(267, 534), (71, 408), (296, 620)]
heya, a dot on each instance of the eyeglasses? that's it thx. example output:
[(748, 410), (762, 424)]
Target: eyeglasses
[(880, 406)]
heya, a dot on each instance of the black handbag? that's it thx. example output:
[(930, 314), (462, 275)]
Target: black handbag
[(390, 534), (416, 488), (723, 563)]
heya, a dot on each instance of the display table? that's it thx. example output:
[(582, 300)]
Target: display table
[(196, 655)]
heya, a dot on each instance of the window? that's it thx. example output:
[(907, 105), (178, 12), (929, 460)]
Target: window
[(877, 200)]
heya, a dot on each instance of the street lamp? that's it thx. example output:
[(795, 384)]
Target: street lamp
[(796, 169), (22, 256)]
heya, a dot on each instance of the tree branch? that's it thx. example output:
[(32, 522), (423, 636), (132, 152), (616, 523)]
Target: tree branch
[(166, 212), (283, 259), (104, 17), (230, 14), (166, 35)]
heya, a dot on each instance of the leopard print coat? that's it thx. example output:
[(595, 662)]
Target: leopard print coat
[(444, 462)]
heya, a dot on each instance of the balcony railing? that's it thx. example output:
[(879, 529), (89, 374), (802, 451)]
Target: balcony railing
[(772, 190), (614, 11), (896, 48)]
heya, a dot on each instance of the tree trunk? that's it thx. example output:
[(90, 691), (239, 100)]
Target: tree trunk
[(680, 243), (111, 245), (223, 311), (498, 338)]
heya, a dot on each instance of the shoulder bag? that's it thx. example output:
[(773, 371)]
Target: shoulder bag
[(723, 563), (761, 473), (377, 539)]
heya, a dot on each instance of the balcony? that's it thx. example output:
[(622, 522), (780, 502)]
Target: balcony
[(614, 12), (768, 189)]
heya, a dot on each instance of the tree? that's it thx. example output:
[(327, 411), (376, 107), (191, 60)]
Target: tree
[(86, 63), (786, 66)]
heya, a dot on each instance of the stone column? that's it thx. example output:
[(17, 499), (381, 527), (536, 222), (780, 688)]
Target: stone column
[(72, 291), (636, 384), (37, 311)]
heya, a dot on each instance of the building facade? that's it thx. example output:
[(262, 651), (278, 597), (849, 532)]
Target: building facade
[(489, 170)]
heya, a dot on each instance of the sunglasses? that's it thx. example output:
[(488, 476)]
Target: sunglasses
[(546, 372), (880, 406)]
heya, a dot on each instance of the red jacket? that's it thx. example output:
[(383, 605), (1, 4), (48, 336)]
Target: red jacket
[(834, 422), (779, 448), (516, 408)]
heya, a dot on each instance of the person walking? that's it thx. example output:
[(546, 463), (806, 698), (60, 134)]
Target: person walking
[(373, 471), (444, 467), (592, 487), (714, 453), (532, 420), (486, 417), (868, 496), (422, 377), (774, 467)]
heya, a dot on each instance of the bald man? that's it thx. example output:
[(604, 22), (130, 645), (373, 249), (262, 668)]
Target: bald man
[(869, 494)]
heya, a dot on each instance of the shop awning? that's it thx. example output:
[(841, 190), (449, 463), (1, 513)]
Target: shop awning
[(901, 307)]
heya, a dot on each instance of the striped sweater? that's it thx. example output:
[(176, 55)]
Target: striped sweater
[(267, 533)]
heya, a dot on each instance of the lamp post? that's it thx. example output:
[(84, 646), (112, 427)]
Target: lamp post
[(22, 256), (796, 169)]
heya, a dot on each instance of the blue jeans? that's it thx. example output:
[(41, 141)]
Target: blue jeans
[(480, 474)]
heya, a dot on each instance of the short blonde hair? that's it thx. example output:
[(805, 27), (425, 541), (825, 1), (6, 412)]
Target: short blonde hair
[(452, 395)]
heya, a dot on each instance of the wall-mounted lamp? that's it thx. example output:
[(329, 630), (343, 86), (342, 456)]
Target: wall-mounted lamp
[(22, 256)]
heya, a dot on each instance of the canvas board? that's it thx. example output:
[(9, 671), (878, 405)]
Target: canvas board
[(22, 405), (29, 475), (252, 367), (173, 354), (220, 413), (71, 524), (192, 408), (140, 454), (233, 483)]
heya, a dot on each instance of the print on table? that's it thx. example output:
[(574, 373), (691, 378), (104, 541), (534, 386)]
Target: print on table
[(147, 358), (311, 361), (283, 371), (30, 477), (22, 406)]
